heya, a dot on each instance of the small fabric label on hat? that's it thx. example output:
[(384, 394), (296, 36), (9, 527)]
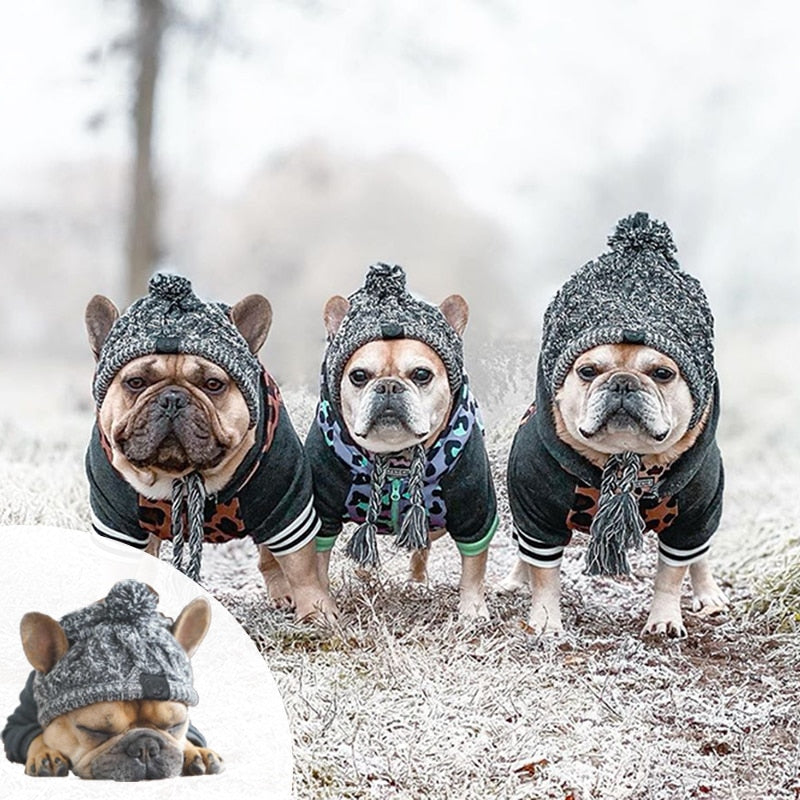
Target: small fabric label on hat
[(154, 687), (632, 337), (168, 344), (392, 330)]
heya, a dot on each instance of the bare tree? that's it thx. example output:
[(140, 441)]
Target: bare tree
[(143, 235)]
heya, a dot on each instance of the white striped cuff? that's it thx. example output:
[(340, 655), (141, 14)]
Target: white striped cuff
[(673, 557), (535, 552), (102, 529), (297, 534)]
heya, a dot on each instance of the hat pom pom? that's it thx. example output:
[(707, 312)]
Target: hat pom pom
[(638, 232), (384, 280), (170, 287), (130, 601)]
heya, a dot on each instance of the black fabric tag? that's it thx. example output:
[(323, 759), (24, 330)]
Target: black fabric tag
[(154, 687), (632, 337), (392, 330), (168, 344)]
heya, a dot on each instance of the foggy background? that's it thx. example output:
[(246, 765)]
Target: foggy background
[(488, 146)]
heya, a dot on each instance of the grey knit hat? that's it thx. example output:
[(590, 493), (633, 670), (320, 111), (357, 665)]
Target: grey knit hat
[(172, 319), (120, 649), (383, 309), (636, 292)]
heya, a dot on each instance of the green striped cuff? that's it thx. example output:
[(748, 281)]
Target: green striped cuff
[(325, 543), (476, 548)]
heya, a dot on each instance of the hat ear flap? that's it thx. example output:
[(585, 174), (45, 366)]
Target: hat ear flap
[(335, 311), (456, 312), (43, 641), (252, 317), (101, 314), (192, 624)]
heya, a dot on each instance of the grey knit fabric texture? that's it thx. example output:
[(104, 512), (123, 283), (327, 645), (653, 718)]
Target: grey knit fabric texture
[(636, 292), (172, 319), (121, 648), (383, 309)]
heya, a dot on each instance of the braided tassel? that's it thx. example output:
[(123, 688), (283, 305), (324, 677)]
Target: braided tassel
[(363, 544), (617, 525), (176, 523), (196, 502), (189, 495), (413, 533)]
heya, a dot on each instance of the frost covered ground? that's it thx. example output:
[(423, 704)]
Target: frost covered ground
[(404, 701)]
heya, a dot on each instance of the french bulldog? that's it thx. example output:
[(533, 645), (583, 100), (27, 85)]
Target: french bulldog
[(395, 395), (143, 739), (166, 415), (620, 405)]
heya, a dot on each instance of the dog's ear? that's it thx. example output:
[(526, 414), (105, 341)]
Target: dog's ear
[(335, 310), (456, 312), (252, 316), (43, 641), (101, 314), (192, 625)]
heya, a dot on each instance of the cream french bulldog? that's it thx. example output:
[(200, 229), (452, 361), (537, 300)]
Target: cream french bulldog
[(192, 442), (620, 440), (397, 446), (111, 691)]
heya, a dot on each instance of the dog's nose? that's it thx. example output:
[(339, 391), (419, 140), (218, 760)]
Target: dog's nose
[(623, 383), (171, 401), (389, 386), (144, 747)]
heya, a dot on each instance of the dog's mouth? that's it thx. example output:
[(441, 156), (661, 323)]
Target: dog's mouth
[(173, 443), (634, 414)]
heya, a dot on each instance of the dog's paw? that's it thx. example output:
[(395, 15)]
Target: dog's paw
[(545, 618), (44, 762), (473, 607), (201, 761), (315, 606), (709, 599), (670, 626), (278, 589)]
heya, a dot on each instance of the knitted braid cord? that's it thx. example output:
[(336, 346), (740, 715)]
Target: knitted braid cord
[(617, 526), (363, 544), (188, 504), (413, 533)]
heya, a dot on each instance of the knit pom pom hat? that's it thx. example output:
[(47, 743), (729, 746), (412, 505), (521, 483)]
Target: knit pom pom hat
[(383, 309), (637, 293), (172, 319), (120, 649)]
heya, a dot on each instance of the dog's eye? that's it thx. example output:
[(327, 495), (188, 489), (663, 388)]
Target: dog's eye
[(421, 376), (100, 736), (135, 383), (587, 372), (662, 374), (359, 377), (214, 385)]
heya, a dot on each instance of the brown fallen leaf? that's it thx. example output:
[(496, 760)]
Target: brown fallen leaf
[(532, 768)]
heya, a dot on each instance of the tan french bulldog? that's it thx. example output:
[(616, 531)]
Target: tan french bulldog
[(621, 437), (391, 396), (122, 740), (191, 404)]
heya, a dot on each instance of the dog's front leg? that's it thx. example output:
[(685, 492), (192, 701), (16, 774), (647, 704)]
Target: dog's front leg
[(294, 579), (665, 611), (472, 600), (545, 613)]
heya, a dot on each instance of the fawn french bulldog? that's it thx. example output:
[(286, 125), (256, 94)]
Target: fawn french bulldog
[(397, 446), (192, 441), (110, 691), (621, 438)]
